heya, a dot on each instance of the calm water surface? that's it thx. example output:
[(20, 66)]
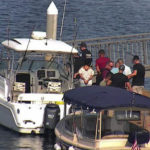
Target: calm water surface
[(95, 18)]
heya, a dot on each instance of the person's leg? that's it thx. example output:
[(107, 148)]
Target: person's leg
[(82, 84), (98, 79)]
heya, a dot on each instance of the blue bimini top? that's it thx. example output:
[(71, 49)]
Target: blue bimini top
[(98, 98)]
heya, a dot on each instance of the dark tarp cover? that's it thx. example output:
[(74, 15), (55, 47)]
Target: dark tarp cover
[(97, 97)]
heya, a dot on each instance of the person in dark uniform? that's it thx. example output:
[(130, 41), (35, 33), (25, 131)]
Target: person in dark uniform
[(85, 54), (82, 58), (120, 80), (138, 75)]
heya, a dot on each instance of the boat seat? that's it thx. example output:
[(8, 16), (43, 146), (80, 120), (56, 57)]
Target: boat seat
[(19, 87)]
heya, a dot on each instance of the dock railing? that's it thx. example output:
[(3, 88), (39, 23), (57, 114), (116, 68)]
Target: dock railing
[(119, 47)]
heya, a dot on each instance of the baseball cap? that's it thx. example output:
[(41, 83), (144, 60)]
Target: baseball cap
[(83, 44), (122, 67), (135, 57)]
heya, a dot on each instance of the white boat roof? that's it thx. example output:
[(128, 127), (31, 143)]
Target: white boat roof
[(44, 45)]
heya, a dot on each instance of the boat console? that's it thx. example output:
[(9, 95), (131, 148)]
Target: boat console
[(50, 80)]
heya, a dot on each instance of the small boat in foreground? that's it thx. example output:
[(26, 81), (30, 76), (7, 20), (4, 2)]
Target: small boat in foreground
[(108, 119)]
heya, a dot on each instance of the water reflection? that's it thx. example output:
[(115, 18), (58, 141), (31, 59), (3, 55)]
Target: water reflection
[(10, 140)]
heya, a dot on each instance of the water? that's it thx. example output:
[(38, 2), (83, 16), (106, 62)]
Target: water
[(95, 18)]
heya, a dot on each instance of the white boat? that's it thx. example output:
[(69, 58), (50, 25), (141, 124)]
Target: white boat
[(30, 84), (34, 73), (109, 119)]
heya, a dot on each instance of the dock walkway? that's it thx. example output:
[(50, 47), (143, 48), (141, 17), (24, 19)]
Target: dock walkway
[(120, 47)]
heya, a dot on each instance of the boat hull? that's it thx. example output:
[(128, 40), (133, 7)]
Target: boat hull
[(10, 117), (28, 117)]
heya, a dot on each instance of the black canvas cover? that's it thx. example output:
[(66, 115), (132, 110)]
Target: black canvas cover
[(97, 97)]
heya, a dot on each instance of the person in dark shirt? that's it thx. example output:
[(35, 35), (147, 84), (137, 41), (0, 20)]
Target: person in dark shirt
[(138, 75), (107, 69), (120, 80), (82, 57), (85, 54)]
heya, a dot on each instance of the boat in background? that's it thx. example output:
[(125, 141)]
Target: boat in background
[(108, 119), (34, 73)]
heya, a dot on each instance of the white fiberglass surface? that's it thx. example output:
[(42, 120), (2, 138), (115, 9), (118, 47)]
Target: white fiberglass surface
[(29, 115)]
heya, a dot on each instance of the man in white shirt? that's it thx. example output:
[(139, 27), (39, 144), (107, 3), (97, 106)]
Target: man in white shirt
[(127, 69), (86, 74)]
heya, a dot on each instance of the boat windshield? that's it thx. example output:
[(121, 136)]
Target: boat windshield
[(83, 125), (113, 123), (124, 122), (34, 61)]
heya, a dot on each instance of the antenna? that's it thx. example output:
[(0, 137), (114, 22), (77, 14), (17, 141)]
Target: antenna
[(62, 24), (10, 65), (73, 44), (23, 58)]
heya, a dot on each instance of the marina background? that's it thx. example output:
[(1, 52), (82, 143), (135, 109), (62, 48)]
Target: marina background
[(96, 18)]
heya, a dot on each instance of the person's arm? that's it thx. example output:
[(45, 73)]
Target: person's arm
[(75, 75), (81, 76), (80, 73), (134, 73), (91, 76), (97, 69), (128, 85), (108, 82)]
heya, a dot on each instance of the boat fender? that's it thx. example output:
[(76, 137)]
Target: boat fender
[(57, 147)]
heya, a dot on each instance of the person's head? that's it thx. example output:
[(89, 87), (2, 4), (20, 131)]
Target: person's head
[(136, 59), (120, 61), (109, 65), (87, 65), (101, 53), (83, 46), (108, 76), (117, 64), (121, 68)]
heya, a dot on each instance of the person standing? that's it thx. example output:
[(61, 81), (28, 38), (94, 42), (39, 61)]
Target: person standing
[(115, 69), (85, 55), (138, 75), (127, 69), (81, 58), (86, 74), (100, 65), (120, 80)]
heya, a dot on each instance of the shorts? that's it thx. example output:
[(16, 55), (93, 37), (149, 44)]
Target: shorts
[(138, 89)]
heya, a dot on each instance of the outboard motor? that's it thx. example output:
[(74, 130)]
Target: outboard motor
[(51, 116)]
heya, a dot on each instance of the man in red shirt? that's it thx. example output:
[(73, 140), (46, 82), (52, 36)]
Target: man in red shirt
[(100, 65)]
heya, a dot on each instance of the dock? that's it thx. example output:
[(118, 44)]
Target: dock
[(125, 47)]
